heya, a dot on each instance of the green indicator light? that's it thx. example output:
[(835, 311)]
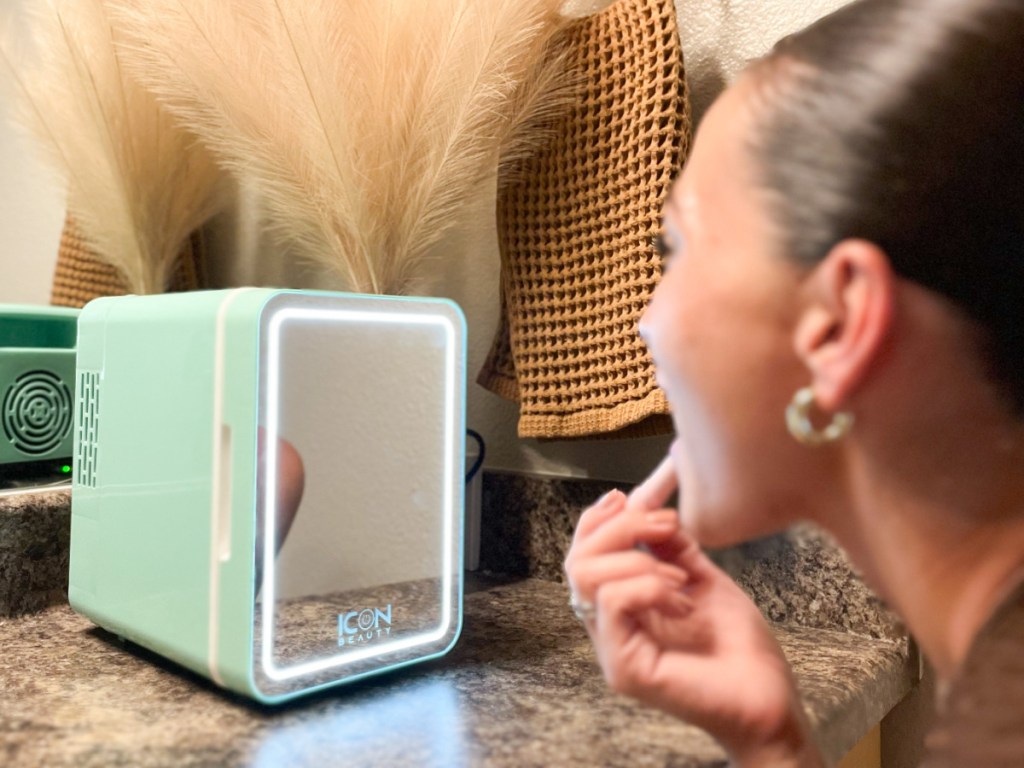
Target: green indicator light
[(65, 469)]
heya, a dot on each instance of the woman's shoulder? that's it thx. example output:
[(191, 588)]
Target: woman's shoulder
[(982, 719)]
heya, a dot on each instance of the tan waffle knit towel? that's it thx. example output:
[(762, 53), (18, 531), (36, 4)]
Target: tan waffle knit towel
[(81, 276), (576, 227)]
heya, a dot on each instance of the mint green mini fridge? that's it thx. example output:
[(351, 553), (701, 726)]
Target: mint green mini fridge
[(268, 484)]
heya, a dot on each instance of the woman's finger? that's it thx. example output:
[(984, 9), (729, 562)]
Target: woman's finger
[(625, 530), (586, 576), (657, 489), (619, 602), (649, 495), (682, 549), (622, 607), (600, 511)]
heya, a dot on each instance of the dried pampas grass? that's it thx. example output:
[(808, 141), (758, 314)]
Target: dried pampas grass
[(137, 185), (367, 125)]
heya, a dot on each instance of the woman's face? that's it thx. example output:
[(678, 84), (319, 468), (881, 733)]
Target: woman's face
[(720, 328)]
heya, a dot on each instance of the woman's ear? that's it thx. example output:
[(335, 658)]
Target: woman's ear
[(847, 317)]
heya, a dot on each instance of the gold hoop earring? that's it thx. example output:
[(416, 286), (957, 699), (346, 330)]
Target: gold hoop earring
[(798, 421)]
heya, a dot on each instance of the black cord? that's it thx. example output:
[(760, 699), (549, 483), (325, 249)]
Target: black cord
[(479, 463)]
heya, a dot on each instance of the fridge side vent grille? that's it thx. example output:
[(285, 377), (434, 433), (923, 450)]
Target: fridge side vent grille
[(88, 425)]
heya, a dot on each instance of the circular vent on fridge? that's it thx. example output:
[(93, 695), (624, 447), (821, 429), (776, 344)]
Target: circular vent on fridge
[(36, 412)]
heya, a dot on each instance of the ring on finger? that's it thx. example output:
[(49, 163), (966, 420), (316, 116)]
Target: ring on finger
[(584, 610)]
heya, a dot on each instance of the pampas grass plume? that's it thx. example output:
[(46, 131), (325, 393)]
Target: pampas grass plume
[(367, 125), (137, 185)]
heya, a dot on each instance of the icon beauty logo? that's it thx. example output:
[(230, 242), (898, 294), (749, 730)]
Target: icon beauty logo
[(364, 626)]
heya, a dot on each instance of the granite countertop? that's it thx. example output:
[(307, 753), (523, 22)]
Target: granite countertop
[(520, 689)]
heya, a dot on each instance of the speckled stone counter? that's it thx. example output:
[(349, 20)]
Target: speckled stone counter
[(521, 689), (797, 577), (35, 536)]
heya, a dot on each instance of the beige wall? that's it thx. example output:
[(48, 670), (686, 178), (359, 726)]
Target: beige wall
[(718, 37), (31, 208)]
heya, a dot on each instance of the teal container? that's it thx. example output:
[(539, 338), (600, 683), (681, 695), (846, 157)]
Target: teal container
[(268, 485), (37, 387)]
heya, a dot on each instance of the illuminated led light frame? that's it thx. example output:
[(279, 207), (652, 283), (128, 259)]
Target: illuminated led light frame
[(279, 317)]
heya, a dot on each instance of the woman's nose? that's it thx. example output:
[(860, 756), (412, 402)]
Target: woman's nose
[(646, 324)]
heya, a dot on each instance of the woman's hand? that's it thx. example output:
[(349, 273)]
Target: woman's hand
[(674, 631)]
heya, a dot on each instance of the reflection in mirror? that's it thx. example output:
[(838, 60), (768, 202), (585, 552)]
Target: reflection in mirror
[(357, 542), (291, 481)]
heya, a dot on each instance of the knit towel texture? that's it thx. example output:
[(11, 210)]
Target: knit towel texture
[(576, 229)]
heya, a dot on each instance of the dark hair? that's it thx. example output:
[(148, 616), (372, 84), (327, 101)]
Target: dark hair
[(902, 122)]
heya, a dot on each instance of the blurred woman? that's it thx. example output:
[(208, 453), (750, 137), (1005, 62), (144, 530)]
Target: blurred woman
[(839, 332)]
